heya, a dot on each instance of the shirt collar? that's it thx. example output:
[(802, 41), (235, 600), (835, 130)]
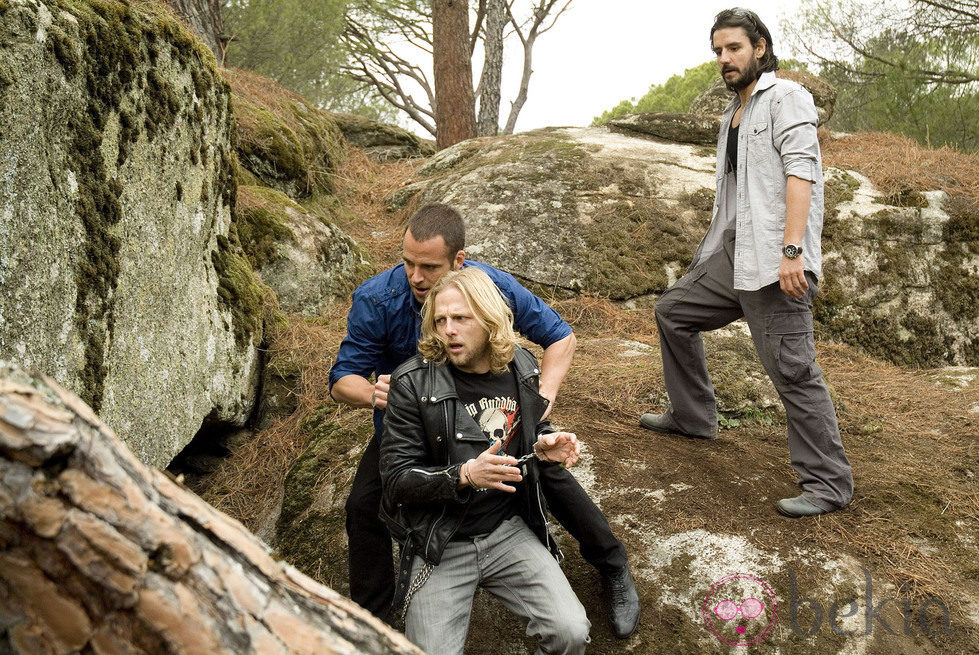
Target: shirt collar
[(765, 81)]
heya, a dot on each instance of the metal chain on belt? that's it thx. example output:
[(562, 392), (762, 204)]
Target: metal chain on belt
[(423, 575)]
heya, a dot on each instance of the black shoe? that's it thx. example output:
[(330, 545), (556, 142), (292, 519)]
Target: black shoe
[(622, 602), (665, 423)]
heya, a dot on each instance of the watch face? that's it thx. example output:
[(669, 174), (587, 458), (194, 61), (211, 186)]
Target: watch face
[(791, 251)]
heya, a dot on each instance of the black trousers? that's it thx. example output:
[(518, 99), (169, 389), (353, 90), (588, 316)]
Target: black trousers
[(370, 557)]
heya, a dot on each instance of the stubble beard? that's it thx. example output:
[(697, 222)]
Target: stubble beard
[(745, 79), (467, 358)]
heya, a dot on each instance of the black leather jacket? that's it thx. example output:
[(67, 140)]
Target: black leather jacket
[(428, 436)]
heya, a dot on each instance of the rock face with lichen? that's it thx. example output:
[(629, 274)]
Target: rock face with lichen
[(589, 210), (382, 141), (306, 260), (121, 275)]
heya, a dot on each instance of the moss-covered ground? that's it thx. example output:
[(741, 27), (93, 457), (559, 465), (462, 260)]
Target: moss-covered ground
[(913, 444)]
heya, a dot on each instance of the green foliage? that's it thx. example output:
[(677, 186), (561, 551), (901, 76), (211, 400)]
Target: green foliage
[(891, 99), (297, 44), (675, 94), (750, 414), (910, 67)]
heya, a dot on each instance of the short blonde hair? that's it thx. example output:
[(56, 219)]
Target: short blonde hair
[(488, 307)]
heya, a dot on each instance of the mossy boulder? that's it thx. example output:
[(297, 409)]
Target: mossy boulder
[(309, 532), (382, 141), (583, 210), (307, 260), (900, 273), (283, 141), (597, 211), (119, 278)]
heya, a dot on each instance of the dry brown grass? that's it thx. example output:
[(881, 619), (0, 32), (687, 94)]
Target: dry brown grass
[(260, 90), (912, 469), (912, 444), (896, 163), (246, 486), (363, 185)]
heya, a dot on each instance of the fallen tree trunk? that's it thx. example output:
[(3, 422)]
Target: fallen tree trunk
[(99, 553)]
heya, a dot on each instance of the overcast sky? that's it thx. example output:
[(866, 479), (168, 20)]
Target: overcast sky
[(604, 51)]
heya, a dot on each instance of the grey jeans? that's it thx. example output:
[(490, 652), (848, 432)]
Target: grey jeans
[(513, 565), (781, 328)]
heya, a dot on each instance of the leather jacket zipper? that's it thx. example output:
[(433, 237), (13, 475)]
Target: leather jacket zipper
[(435, 524)]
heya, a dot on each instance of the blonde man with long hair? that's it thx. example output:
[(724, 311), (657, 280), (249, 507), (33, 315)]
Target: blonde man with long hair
[(383, 328), (489, 310), (463, 446)]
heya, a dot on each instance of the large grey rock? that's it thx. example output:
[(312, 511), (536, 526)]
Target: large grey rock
[(583, 210), (382, 141), (900, 273), (116, 174), (590, 210), (308, 261)]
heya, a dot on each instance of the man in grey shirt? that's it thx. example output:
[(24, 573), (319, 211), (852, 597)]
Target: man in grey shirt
[(761, 259)]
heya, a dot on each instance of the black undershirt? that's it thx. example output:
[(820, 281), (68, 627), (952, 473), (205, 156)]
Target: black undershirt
[(732, 146), (491, 400)]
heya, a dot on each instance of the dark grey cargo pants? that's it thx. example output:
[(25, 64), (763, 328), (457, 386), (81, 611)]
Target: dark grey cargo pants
[(781, 327)]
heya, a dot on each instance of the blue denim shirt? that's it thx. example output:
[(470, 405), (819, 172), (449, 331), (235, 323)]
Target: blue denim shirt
[(384, 323), (776, 138)]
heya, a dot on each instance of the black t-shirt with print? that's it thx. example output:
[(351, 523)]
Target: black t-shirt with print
[(491, 400)]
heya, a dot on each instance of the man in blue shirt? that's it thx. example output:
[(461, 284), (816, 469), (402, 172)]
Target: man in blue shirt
[(383, 328)]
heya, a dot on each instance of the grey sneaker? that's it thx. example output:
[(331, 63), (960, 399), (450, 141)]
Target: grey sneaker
[(664, 423), (798, 507)]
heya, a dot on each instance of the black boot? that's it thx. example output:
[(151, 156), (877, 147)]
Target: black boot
[(621, 601)]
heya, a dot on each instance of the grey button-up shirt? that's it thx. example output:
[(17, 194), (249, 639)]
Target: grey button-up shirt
[(777, 138)]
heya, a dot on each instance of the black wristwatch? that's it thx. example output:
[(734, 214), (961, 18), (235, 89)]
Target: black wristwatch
[(791, 251)]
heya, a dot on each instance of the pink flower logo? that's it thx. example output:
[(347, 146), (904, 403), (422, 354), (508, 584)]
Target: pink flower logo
[(740, 610)]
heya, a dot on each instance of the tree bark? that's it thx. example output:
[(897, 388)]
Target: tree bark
[(489, 82), (204, 19), (528, 70), (455, 102), (99, 553)]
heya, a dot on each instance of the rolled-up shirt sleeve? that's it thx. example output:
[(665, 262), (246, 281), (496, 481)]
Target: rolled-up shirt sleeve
[(794, 123), (361, 349)]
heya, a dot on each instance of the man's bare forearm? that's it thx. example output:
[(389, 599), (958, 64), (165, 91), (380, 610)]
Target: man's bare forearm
[(798, 196), (791, 272), (353, 390), (555, 365)]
